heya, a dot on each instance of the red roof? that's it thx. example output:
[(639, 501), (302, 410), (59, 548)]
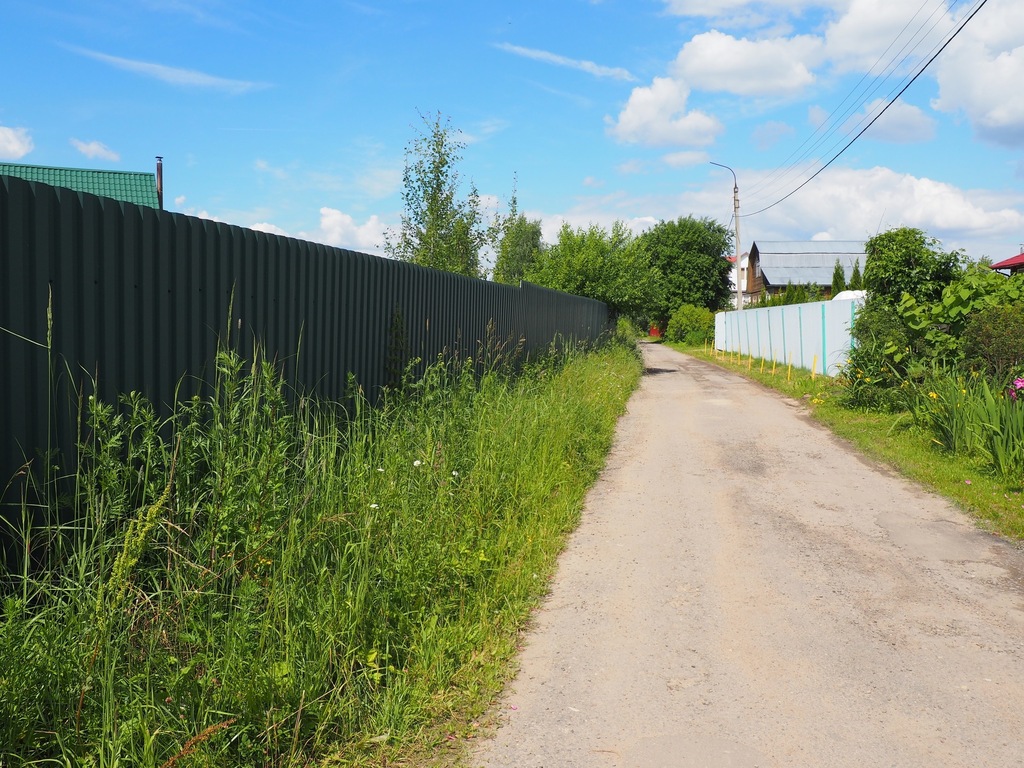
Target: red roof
[(1013, 261)]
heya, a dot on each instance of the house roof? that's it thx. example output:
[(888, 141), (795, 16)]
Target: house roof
[(804, 262), (126, 186), (1013, 261)]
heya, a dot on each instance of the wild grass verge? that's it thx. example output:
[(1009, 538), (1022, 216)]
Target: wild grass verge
[(253, 583), (897, 441)]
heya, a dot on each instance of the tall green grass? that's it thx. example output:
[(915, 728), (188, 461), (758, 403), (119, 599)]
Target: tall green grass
[(256, 583)]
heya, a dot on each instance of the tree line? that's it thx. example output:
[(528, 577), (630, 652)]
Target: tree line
[(645, 277)]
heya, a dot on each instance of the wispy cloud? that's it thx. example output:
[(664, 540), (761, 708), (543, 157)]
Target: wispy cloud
[(96, 149), (598, 70), (186, 78), (484, 129), (264, 167), (195, 11)]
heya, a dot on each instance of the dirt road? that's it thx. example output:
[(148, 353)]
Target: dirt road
[(745, 591)]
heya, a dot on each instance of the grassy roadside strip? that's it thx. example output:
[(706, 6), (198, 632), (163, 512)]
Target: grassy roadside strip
[(277, 586), (892, 440)]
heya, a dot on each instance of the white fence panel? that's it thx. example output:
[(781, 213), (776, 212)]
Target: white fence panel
[(814, 336)]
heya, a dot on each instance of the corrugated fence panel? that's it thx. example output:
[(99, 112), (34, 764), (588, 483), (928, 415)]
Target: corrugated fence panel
[(810, 336), (141, 298)]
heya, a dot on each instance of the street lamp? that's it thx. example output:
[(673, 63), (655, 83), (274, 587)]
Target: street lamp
[(736, 218)]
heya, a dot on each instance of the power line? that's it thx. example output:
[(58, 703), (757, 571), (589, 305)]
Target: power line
[(875, 83), (963, 24)]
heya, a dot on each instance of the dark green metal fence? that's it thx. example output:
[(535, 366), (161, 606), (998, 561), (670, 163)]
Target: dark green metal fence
[(103, 297)]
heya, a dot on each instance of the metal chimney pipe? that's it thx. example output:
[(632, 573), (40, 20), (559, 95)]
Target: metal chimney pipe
[(160, 182)]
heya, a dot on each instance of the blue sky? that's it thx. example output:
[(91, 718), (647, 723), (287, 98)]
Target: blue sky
[(294, 118)]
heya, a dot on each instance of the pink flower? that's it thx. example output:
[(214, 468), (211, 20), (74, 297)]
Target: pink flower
[(967, 482)]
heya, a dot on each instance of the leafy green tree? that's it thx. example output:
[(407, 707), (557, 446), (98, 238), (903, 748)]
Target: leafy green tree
[(602, 265), (838, 278), (856, 279), (690, 254), (519, 244), (438, 229), (906, 260)]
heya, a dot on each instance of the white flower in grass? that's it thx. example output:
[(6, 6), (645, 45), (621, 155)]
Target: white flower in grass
[(455, 473), (375, 506), (417, 463), (380, 469)]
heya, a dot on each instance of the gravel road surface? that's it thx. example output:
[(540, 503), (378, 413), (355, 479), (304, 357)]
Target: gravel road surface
[(745, 590)]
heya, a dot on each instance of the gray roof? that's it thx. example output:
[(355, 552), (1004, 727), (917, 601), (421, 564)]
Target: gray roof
[(804, 262), (810, 247)]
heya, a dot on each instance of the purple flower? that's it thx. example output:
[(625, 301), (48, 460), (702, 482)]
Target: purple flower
[(1016, 387)]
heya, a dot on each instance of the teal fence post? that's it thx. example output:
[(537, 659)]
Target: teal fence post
[(800, 319), (824, 345), (784, 356)]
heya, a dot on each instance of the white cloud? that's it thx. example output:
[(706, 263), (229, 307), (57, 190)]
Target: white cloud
[(341, 230), (15, 143), (200, 213), (902, 123), (271, 229), (850, 204), (179, 200), (588, 212), (656, 115), (598, 70), (593, 182), (885, 39), (714, 61), (95, 149), (188, 78), (876, 35), (979, 74), (684, 159)]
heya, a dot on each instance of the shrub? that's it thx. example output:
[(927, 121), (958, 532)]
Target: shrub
[(627, 329), (938, 326), (879, 361), (691, 325), (993, 341)]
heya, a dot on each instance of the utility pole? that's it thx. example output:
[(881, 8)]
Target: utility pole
[(736, 218)]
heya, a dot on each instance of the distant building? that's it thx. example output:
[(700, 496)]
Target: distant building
[(135, 187), (1014, 264), (775, 264), (739, 274)]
